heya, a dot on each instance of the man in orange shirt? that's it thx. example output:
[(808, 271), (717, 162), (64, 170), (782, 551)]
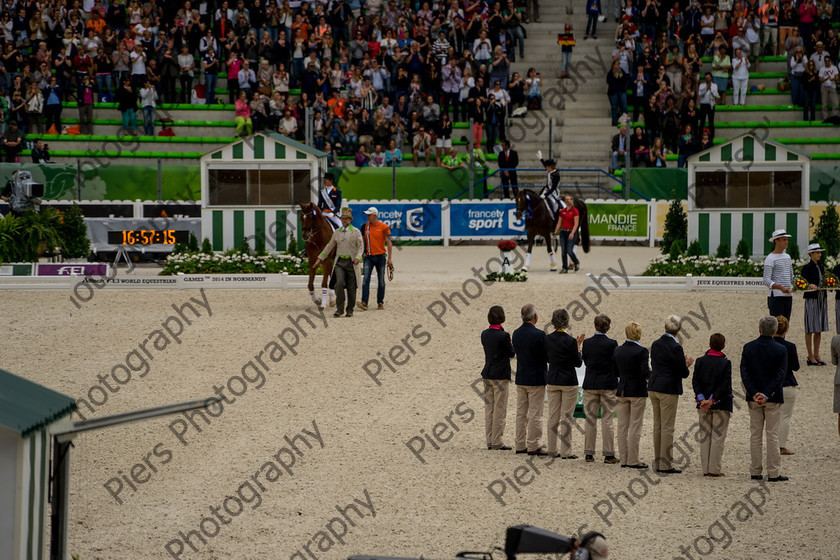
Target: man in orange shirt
[(377, 237), (337, 104)]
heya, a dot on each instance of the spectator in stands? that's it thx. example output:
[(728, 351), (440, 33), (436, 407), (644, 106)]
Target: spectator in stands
[(687, 146), (811, 87), (640, 93), (259, 115), (443, 138), (126, 99), (53, 97), (740, 77), (211, 65), (807, 17), (393, 155), (639, 148), (242, 118), (421, 143), (186, 65), (12, 142), (40, 152), (620, 149), (452, 160), (377, 158), (494, 119), (721, 68), (593, 11), (708, 95), (829, 78), (617, 82), (532, 89), (658, 154), (148, 102), (84, 100), (35, 109)]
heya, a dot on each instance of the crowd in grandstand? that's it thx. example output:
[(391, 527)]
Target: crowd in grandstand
[(383, 77), (677, 63)]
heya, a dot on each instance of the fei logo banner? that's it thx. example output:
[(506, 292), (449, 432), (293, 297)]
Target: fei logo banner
[(418, 220), (472, 220)]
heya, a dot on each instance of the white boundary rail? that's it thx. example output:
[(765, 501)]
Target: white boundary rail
[(179, 282), (688, 283)]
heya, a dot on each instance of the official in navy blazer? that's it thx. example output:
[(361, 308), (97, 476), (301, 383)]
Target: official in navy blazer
[(669, 366), (763, 367), (712, 384), (529, 345), (498, 350), (599, 385), (563, 351), (631, 364)]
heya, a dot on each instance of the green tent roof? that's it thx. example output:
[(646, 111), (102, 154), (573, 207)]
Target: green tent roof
[(26, 406)]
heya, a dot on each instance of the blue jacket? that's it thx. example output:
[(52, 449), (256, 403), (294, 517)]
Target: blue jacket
[(763, 367), (531, 357), (593, 7), (334, 196)]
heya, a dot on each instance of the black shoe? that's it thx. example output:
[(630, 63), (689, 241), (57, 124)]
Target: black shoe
[(564, 271), (590, 459), (349, 314), (639, 466), (504, 448), (756, 477), (521, 451), (577, 267), (779, 478), (611, 460), (338, 314), (594, 37), (669, 471), (539, 453), (570, 457)]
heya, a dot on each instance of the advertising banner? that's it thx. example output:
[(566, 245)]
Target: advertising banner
[(72, 269), (618, 220), (407, 220), (484, 220)]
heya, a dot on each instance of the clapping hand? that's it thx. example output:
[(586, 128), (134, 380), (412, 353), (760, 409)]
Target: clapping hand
[(539, 154), (580, 338), (688, 361)]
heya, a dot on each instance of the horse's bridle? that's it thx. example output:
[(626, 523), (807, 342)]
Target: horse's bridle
[(309, 231)]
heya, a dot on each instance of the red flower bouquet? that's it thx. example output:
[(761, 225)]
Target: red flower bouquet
[(506, 245)]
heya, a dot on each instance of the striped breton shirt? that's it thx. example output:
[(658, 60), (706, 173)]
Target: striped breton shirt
[(778, 269)]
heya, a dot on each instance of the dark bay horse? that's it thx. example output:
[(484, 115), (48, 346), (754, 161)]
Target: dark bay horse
[(539, 221), (317, 232)]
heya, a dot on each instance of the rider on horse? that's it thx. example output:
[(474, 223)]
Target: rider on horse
[(550, 192), (329, 201)]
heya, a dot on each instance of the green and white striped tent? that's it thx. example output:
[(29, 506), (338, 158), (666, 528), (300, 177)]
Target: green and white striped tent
[(744, 189), (28, 414), (250, 189)]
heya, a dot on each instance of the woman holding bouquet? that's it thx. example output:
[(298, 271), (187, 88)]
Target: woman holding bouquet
[(816, 307)]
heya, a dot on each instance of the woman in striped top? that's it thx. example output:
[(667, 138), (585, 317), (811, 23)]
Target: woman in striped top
[(778, 276)]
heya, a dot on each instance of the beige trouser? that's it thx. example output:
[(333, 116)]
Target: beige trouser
[(495, 410), (664, 418), (787, 413), (561, 410), (765, 417), (631, 415), (592, 400), (530, 400), (713, 427)]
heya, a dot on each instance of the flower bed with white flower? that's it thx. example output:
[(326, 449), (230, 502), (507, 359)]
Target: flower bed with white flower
[(233, 262), (711, 266), (517, 276)]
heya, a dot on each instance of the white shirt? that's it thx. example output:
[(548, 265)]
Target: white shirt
[(740, 68), (830, 73), (708, 93), (778, 269)]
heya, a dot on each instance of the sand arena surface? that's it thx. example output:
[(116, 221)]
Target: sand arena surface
[(436, 508)]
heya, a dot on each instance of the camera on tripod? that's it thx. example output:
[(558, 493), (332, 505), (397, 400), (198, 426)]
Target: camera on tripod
[(23, 193), (526, 539)]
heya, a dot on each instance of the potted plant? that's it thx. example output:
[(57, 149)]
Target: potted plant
[(40, 232), (10, 232), (506, 248)]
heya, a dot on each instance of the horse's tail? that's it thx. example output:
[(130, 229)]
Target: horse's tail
[(584, 223)]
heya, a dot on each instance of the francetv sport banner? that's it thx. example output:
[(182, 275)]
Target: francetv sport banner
[(484, 219), (407, 220)]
